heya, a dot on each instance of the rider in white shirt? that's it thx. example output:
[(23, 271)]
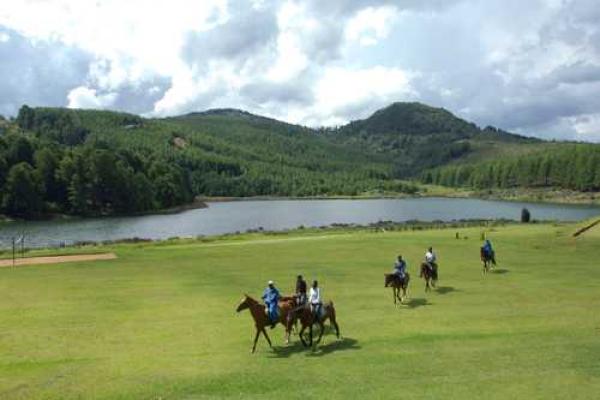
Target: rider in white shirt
[(430, 256), (314, 298), (431, 259)]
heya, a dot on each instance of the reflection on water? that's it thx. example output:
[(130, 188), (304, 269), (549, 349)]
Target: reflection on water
[(280, 214)]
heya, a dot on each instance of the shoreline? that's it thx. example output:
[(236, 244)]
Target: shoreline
[(93, 247), (576, 198), (194, 205)]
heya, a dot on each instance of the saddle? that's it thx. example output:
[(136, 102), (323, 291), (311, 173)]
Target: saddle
[(399, 279), (320, 313)]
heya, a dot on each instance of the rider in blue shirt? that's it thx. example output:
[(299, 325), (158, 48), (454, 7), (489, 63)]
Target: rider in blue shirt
[(489, 251), (400, 267), (271, 297)]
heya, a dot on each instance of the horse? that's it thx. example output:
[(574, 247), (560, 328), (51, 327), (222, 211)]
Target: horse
[(399, 286), (486, 259), (307, 320), (261, 320), (430, 276)]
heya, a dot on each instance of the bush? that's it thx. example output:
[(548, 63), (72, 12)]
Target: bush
[(525, 215)]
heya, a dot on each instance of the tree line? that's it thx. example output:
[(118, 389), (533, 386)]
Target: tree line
[(567, 166), (84, 162)]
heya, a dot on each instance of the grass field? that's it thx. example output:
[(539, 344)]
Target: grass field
[(159, 321)]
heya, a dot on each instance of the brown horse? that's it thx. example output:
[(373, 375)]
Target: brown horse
[(307, 320), (488, 260), (261, 320), (430, 276), (399, 286)]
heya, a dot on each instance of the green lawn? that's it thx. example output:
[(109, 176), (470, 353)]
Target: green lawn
[(159, 322)]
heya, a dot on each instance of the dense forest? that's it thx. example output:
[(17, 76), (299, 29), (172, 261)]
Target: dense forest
[(86, 162), (89, 162), (568, 166)]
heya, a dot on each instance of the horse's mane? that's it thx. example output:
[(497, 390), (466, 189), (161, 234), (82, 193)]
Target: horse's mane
[(250, 299)]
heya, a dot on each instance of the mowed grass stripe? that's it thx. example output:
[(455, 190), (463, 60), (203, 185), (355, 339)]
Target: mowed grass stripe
[(159, 321)]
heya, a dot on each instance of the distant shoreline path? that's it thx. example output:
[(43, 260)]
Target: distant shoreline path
[(57, 259)]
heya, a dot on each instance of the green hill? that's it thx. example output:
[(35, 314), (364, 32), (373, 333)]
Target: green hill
[(414, 137), (90, 162)]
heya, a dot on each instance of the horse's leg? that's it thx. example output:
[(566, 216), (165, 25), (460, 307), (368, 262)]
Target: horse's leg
[(287, 333), (255, 340), (310, 334), (394, 294), (335, 325), (322, 326), (302, 335), (267, 337)]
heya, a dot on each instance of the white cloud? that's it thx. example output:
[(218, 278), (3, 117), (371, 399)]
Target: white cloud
[(83, 97), (530, 66), (587, 127), (370, 25)]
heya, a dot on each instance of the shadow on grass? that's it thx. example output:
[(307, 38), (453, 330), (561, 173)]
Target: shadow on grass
[(414, 303), (318, 350), (500, 271), (333, 346), (287, 351), (445, 290)]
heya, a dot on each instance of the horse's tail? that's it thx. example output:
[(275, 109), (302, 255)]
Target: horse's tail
[(332, 310)]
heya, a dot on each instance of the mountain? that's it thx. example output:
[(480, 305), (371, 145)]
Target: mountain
[(414, 137), (89, 162)]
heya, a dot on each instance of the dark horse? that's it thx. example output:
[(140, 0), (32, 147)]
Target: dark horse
[(399, 286), (429, 274), (487, 259), (261, 320), (307, 320)]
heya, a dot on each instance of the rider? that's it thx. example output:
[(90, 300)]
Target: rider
[(400, 267), (431, 259), (300, 290), (314, 298), (271, 297), (488, 251)]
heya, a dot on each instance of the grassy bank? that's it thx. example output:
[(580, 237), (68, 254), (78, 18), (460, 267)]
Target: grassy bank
[(536, 195), (159, 321)]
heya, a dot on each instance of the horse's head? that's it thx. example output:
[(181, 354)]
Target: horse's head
[(388, 279), (244, 303)]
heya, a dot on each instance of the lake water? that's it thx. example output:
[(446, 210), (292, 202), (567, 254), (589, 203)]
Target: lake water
[(229, 217)]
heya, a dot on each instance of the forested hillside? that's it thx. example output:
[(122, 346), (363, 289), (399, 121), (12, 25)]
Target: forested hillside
[(87, 162), (560, 165), (414, 137)]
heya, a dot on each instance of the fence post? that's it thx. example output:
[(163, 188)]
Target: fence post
[(13, 250)]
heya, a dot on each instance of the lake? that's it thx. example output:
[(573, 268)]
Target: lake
[(239, 216)]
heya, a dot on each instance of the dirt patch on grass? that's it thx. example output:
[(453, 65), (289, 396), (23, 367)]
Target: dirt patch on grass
[(57, 259)]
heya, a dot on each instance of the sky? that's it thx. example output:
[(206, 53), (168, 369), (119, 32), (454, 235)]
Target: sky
[(531, 67)]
